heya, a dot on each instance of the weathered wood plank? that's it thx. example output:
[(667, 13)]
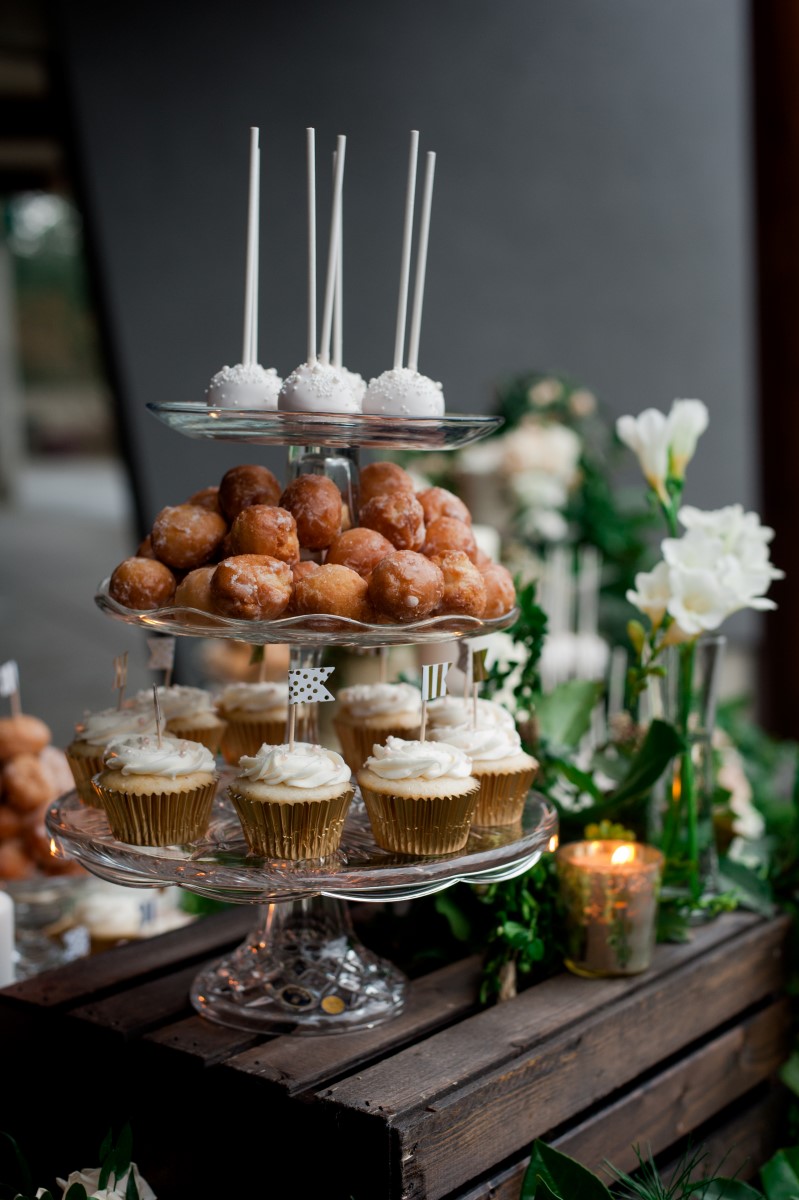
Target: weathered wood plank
[(197, 1041), (482, 1090), (131, 1013), (86, 977)]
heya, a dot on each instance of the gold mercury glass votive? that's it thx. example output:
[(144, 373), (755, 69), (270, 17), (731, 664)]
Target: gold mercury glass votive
[(610, 896)]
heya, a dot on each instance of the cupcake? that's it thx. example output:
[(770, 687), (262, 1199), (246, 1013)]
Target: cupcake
[(157, 795), (503, 770), (92, 738), (189, 713), (370, 713), (256, 714), (451, 711), (420, 796), (292, 802)]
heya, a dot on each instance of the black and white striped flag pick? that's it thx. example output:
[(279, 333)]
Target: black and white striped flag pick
[(9, 685)]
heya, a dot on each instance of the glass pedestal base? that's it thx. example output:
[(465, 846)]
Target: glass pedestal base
[(301, 971)]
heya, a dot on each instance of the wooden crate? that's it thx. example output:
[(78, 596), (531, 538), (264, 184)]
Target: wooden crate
[(444, 1101)]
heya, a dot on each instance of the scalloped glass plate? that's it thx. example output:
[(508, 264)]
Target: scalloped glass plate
[(267, 428), (220, 866), (316, 630)]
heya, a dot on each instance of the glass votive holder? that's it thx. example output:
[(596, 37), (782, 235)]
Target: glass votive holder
[(610, 896)]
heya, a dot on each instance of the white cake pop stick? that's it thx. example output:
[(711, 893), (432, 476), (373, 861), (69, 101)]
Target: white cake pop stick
[(310, 157), (421, 262), (254, 308), (405, 262), (332, 253), (252, 250), (353, 378)]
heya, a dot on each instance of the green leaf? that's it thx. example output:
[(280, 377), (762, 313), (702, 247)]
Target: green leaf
[(789, 1072), (637, 635), (730, 1189), (751, 890), (659, 747), (780, 1175), (581, 779), (76, 1192), (561, 1176), (564, 714), (459, 924), (132, 1191), (20, 1164), (673, 923), (107, 1146)]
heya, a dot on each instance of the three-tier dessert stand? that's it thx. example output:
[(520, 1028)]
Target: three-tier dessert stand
[(302, 969)]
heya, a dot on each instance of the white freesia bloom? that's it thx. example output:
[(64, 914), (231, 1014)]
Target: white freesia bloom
[(653, 592), (687, 421), (647, 435), (542, 446), (91, 1180), (699, 600)]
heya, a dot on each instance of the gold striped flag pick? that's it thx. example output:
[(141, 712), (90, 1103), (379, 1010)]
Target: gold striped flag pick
[(479, 674), (162, 656), (9, 685), (159, 716), (307, 686), (434, 685), (120, 676)]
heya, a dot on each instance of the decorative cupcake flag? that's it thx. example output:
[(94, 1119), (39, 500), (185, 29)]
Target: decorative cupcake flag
[(159, 716), (120, 676), (434, 685), (162, 656), (9, 685), (307, 686)]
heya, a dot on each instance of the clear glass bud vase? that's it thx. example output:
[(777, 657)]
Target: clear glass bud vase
[(684, 827)]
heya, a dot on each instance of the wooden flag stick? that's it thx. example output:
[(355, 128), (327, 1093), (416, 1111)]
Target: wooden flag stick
[(168, 676), (292, 722), (262, 667), (159, 720), (384, 664), (423, 730), (474, 706)]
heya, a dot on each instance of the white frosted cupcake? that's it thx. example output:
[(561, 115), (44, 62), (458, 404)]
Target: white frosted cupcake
[(499, 764), (189, 713), (371, 712), (157, 795), (452, 711), (420, 796), (92, 738), (292, 802), (256, 714)]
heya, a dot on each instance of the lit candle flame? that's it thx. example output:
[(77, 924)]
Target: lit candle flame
[(554, 842), (622, 854)]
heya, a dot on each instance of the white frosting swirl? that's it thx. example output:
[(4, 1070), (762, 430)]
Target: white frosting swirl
[(380, 699), (486, 744), (143, 756), (100, 728), (306, 766), (401, 759), (253, 697), (454, 711), (176, 701)]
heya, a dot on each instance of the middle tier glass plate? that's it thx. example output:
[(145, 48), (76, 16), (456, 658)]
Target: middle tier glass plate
[(317, 629), (220, 866)]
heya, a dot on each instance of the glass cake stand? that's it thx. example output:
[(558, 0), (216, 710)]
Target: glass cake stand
[(302, 968)]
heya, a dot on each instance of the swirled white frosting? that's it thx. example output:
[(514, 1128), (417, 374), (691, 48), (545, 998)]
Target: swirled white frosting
[(380, 699), (100, 728), (306, 766), (253, 697), (143, 756), (176, 701), (401, 759), (486, 744), (454, 711)]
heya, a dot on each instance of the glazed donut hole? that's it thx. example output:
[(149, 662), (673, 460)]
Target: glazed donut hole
[(314, 501), (246, 485), (195, 590), (446, 535), (406, 586), (145, 549), (264, 529), (333, 589), (464, 586), (438, 502), (185, 535), (207, 497), (251, 587), (399, 517), (359, 549), (500, 590), (142, 583), (27, 783), (10, 822), (15, 864), (381, 478), (22, 734)]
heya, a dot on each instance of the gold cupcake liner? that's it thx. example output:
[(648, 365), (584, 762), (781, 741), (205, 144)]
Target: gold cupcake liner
[(83, 768), (293, 829), (247, 737), (420, 825), (209, 736), (158, 818), (502, 797), (357, 741)]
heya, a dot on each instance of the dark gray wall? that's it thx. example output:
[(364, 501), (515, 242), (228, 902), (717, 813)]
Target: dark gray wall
[(591, 206)]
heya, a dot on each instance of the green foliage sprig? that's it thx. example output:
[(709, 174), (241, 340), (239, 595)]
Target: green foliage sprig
[(115, 1164)]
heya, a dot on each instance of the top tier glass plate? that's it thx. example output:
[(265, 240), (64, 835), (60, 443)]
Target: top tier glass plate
[(219, 865), (266, 428)]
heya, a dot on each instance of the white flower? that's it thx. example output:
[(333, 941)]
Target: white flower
[(694, 549), (699, 600), (653, 592), (687, 421), (647, 435), (534, 489), (582, 403), (547, 447), (545, 392), (91, 1180)]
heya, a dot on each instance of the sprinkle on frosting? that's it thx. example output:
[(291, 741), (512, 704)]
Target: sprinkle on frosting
[(380, 699), (143, 756), (306, 766), (401, 759), (254, 697), (100, 728)]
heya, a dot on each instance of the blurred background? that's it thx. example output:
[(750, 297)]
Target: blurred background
[(614, 205)]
